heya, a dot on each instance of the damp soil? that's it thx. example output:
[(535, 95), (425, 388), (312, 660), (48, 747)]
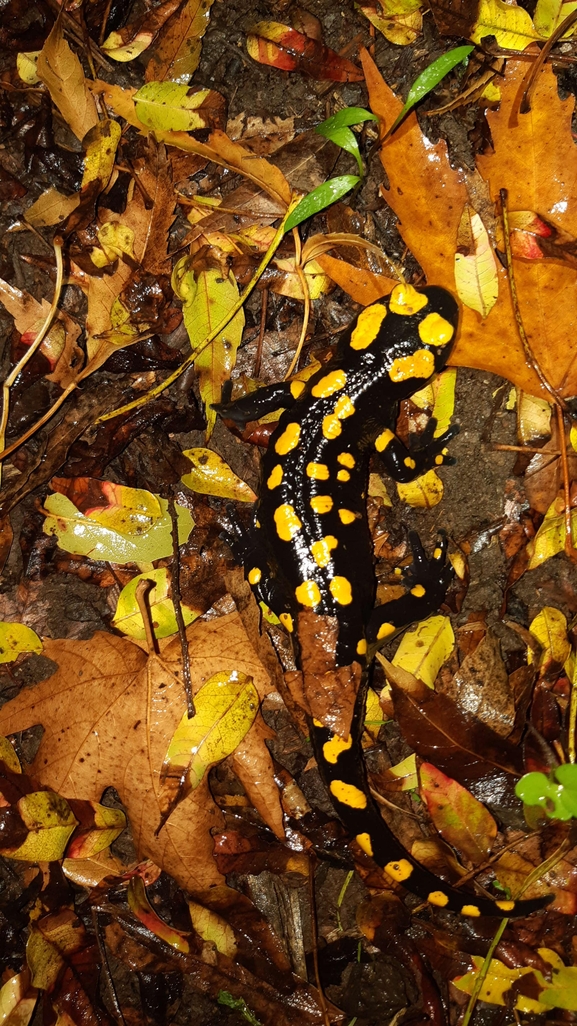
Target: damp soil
[(60, 599)]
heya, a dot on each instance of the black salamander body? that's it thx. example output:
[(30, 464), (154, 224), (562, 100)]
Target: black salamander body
[(311, 548)]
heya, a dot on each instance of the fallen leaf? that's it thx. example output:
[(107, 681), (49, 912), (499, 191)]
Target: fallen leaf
[(128, 618), (59, 347), (280, 46), (16, 638), (177, 53), (108, 715), (430, 215), (475, 265), (61, 71), (17, 1000), (129, 42), (211, 475), (425, 647), (172, 107), (511, 25), (399, 21), (461, 819)]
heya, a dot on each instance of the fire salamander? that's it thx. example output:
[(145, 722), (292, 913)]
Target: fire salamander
[(310, 555)]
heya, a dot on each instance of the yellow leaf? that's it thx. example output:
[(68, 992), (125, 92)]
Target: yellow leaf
[(475, 266), (550, 538), (116, 240), (498, 984), (171, 107), (17, 1000), (206, 301), (400, 21), (549, 627), (226, 707), (533, 418), (62, 74), (424, 492), (128, 618), (52, 207), (425, 648), (573, 436), (115, 48), (290, 284), (16, 638), (100, 145), (142, 909), (49, 821), (549, 14), (511, 25), (125, 532), (213, 928), (26, 65), (105, 826), (407, 772), (211, 475), (9, 758), (378, 489), (51, 943)]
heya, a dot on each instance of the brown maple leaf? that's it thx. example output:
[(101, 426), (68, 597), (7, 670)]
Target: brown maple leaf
[(109, 713), (535, 160)]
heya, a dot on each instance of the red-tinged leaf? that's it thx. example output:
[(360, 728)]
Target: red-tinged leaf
[(140, 905), (460, 819), (282, 47)]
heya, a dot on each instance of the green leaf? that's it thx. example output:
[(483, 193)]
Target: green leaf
[(431, 77), (321, 197), (335, 128)]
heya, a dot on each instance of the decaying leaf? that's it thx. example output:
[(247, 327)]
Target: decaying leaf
[(61, 71), (400, 21), (177, 53), (281, 46), (108, 715), (461, 819), (475, 265), (211, 475), (128, 617)]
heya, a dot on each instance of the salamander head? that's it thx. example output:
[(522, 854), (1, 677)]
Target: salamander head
[(412, 333)]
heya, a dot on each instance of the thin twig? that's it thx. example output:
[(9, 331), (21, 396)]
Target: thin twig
[(525, 104), (176, 601), (258, 357), (569, 547), (33, 347), (106, 969), (143, 587), (315, 941)]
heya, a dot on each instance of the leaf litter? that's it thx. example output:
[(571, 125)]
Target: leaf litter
[(127, 207)]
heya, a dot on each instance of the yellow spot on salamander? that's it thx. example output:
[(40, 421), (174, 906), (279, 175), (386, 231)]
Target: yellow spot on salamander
[(406, 300), (344, 407), (362, 647), (321, 550), (254, 575), (319, 471), (348, 794), (321, 503), (439, 459), (275, 477), (340, 589), (399, 870), (332, 382), (409, 462), (364, 842), (343, 475), (297, 388), (470, 910), (505, 906), (288, 440), (346, 459), (385, 630), (438, 898), (420, 365), (319, 724), (287, 522), (368, 326), (346, 516), (437, 554), (333, 748), (287, 622), (385, 438), (434, 330), (332, 426), (418, 591), (308, 594)]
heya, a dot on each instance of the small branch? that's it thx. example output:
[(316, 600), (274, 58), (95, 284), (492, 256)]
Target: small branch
[(176, 601), (569, 547), (32, 348), (142, 589), (307, 298)]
